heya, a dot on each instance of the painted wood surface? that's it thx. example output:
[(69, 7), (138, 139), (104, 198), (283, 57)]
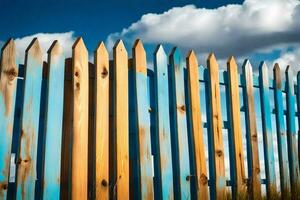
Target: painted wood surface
[(143, 121), (196, 122), (281, 134), (26, 177), (121, 126), (267, 131), (215, 132), (163, 123), (238, 173), (8, 87), (179, 137), (291, 133), (53, 121), (102, 121), (80, 116), (251, 133)]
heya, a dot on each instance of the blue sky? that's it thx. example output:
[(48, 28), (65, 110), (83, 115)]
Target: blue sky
[(92, 19), (255, 29)]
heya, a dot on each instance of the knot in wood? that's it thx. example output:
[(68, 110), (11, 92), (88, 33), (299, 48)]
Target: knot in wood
[(104, 183), (219, 152), (104, 72)]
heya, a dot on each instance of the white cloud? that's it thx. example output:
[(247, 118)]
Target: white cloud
[(66, 40), (254, 26), (291, 58)]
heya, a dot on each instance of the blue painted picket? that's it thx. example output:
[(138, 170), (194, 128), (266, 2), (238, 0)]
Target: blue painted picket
[(47, 113), (163, 124), (281, 134), (267, 130), (140, 88), (291, 132), (30, 122), (53, 121), (179, 136), (8, 87)]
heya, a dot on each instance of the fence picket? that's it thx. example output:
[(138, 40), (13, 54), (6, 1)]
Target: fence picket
[(143, 120), (54, 118), (30, 122), (80, 102), (267, 131), (238, 173), (163, 123), (102, 121), (291, 133), (8, 86), (179, 137), (196, 123), (121, 120), (281, 134), (251, 133), (217, 162)]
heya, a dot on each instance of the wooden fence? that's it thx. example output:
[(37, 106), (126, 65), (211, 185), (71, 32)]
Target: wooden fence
[(115, 129)]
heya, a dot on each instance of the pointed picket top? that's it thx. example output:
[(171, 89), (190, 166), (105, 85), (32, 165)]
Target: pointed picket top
[(101, 50), (55, 49), (79, 44), (277, 76), (289, 78), (247, 67), (192, 59), (231, 63), (263, 70), (139, 57), (120, 47), (8, 57), (159, 51), (34, 50), (211, 60)]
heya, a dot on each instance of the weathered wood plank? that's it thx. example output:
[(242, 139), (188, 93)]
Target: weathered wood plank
[(80, 118), (143, 120), (196, 122), (53, 122), (292, 134), (163, 123), (102, 121), (251, 133), (267, 131), (121, 119), (8, 87), (215, 131), (179, 137), (30, 122), (281, 135), (238, 177)]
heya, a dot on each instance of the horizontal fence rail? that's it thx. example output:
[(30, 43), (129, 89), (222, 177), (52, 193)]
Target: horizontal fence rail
[(116, 129)]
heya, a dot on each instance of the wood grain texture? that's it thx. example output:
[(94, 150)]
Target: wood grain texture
[(239, 178), (102, 121), (197, 129), (215, 115), (8, 86), (267, 131), (179, 137), (53, 122), (281, 135), (121, 119), (80, 120), (251, 133), (143, 120), (30, 122), (291, 134), (163, 123)]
